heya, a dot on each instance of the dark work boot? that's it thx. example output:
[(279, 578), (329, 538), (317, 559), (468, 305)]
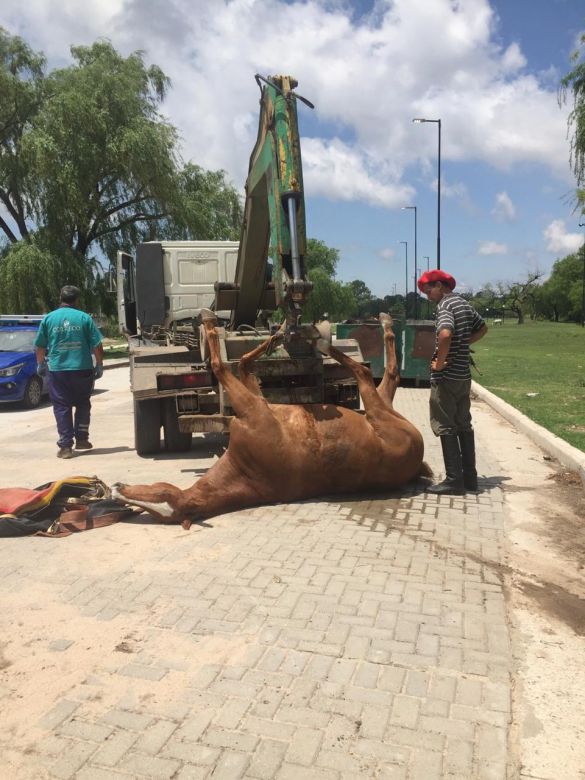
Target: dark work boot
[(452, 485), (467, 445)]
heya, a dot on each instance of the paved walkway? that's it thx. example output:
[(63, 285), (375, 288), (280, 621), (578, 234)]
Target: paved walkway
[(327, 640)]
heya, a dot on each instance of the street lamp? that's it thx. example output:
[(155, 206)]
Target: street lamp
[(419, 120), (582, 224), (426, 257), (406, 278), (413, 208)]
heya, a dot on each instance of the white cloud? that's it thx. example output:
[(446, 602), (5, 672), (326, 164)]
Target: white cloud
[(367, 76), (504, 210), (387, 254), (492, 248), (559, 241), (334, 169)]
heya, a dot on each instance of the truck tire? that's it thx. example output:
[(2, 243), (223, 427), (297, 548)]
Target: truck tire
[(147, 424), (175, 440)]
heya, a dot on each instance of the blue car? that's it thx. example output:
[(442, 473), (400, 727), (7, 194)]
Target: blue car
[(18, 364)]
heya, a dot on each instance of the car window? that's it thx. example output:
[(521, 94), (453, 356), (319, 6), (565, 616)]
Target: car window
[(17, 340)]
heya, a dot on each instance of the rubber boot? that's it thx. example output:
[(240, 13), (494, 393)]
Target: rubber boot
[(467, 445), (453, 482)]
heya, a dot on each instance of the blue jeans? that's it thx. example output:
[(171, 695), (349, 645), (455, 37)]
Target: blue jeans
[(69, 390)]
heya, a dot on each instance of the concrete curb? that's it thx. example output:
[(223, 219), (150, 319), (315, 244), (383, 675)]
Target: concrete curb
[(568, 455), (116, 363)]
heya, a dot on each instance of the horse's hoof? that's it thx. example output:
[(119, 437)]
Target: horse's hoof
[(115, 492), (207, 315), (324, 330)]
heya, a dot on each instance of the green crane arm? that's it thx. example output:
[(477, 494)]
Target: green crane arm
[(274, 213)]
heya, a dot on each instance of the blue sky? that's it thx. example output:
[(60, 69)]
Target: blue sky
[(489, 70)]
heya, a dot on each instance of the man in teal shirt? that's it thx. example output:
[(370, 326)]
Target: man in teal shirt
[(68, 339)]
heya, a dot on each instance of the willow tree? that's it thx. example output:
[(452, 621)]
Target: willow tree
[(21, 95), (104, 158), (89, 165), (32, 274), (574, 82)]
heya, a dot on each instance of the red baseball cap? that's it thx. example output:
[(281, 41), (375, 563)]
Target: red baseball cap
[(436, 276)]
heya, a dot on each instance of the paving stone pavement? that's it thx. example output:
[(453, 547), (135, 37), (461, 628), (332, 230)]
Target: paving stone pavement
[(326, 640)]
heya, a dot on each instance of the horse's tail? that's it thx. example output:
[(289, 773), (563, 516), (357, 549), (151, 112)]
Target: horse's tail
[(425, 471)]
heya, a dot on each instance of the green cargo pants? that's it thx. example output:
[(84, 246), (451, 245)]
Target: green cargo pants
[(450, 406)]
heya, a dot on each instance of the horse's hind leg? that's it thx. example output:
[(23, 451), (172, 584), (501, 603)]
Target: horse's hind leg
[(391, 379), (247, 378), (373, 403), (243, 400)]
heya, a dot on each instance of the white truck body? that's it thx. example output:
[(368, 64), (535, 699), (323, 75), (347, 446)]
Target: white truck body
[(190, 271)]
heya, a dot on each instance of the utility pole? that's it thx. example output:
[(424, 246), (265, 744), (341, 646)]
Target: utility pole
[(406, 279), (420, 120), (413, 208)]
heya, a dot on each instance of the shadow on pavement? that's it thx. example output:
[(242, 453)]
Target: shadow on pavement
[(144, 518), (487, 483), (16, 406), (103, 450)]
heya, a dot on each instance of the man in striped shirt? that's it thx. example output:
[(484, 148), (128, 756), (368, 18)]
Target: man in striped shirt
[(457, 326)]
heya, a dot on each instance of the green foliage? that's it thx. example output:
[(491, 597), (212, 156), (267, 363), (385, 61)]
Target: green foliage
[(519, 297), (561, 296), (545, 358), (319, 255), (32, 274), (574, 82), (362, 294), (21, 93), (103, 158), (110, 329), (328, 295), (86, 156), (210, 208)]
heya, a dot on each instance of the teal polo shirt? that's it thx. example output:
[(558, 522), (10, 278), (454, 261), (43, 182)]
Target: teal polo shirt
[(69, 336)]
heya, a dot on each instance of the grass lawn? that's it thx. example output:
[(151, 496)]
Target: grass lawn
[(544, 358), (115, 348)]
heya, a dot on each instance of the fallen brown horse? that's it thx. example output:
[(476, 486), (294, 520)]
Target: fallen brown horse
[(280, 453)]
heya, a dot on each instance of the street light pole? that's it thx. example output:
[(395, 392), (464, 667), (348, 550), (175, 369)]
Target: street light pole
[(420, 120), (416, 272), (426, 257), (582, 224), (413, 208), (406, 279)]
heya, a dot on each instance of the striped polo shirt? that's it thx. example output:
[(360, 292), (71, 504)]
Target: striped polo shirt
[(454, 313)]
